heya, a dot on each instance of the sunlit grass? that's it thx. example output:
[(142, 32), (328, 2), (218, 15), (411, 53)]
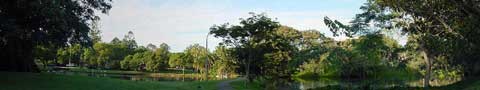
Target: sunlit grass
[(46, 81)]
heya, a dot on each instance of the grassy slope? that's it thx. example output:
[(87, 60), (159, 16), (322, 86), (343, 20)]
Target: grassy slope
[(45, 81)]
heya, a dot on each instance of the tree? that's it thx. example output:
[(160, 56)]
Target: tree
[(160, 58), (95, 33), (151, 46), (116, 41), (89, 57), (196, 54), (25, 24), (441, 28), (149, 62), (74, 52), (262, 47), (46, 54), (129, 41), (137, 62), (104, 54), (70, 54), (223, 62), (176, 60), (126, 63), (162, 54)]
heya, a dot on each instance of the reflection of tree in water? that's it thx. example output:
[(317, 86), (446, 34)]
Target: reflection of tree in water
[(362, 84)]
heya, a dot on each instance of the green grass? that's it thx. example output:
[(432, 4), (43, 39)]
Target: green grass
[(46, 81), (240, 85)]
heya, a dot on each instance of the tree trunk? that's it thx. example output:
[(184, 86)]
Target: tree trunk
[(45, 62), (17, 56), (249, 78), (183, 74), (426, 80)]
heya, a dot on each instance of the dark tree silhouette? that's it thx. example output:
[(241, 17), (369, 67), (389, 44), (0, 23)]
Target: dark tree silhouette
[(25, 24)]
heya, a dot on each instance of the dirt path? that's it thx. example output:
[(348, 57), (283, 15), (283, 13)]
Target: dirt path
[(225, 85)]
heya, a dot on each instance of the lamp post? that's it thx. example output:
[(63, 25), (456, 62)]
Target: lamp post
[(206, 60)]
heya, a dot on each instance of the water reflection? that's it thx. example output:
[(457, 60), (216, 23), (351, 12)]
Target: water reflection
[(137, 77), (349, 84), (277, 84)]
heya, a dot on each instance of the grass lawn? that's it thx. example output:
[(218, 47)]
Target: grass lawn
[(46, 81)]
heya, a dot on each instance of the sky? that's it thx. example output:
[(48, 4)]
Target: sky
[(181, 23)]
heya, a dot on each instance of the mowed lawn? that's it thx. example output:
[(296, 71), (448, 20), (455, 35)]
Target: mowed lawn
[(47, 81)]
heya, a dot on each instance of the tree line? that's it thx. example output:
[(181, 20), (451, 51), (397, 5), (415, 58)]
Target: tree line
[(442, 42), (125, 54)]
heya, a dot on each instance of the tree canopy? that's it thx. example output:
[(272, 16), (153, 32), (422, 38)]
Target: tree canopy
[(25, 24)]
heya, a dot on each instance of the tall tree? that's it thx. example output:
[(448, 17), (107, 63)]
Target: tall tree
[(151, 46), (441, 28), (223, 62), (95, 33), (25, 24), (160, 58), (129, 40), (196, 54), (261, 45)]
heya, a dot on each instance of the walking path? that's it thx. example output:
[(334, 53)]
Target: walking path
[(225, 85)]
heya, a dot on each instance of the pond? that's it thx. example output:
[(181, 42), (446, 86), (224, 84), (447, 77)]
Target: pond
[(362, 84), (137, 76), (338, 84), (293, 84)]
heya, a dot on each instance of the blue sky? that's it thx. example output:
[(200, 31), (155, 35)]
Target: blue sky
[(181, 23)]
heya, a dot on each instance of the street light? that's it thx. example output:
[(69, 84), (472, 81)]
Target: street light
[(206, 60)]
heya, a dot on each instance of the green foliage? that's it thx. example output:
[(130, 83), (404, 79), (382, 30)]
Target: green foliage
[(147, 59), (26, 24), (195, 56), (177, 60), (223, 62), (261, 46), (104, 53), (441, 32), (356, 58), (69, 54), (133, 62), (89, 56), (46, 54), (162, 56)]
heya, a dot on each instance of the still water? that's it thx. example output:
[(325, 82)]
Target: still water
[(293, 84), (135, 77), (354, 84)]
